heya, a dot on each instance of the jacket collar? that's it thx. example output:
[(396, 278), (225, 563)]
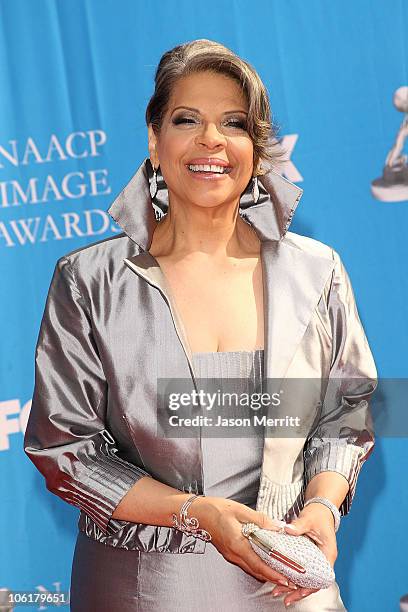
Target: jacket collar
[(138, 215)]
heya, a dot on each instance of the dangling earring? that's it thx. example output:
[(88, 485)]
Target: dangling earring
[(255, 189), (153, 184)]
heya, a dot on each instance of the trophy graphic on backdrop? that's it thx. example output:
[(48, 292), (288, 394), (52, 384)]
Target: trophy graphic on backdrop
[(393, 185), (5, 599)]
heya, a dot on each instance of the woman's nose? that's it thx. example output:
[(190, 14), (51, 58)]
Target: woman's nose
[(210, 136)]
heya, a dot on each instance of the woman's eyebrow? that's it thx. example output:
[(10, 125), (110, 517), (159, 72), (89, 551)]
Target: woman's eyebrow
[(197, 111)]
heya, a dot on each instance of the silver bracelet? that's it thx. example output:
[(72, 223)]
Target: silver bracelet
[(326, 502), (190, 524)]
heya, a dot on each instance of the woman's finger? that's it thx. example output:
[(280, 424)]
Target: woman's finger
[(275, 575), (315, 537), (258, 566), (298, 526), (243, 565), (325, 541), (301, 593), (259, 518), (261, 567), (259, 575), (280, 590)]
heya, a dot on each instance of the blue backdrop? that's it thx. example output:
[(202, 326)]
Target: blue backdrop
[(75, 78)]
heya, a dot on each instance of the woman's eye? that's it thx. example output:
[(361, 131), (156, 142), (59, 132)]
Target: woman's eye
[(237, 124), (179, 120)]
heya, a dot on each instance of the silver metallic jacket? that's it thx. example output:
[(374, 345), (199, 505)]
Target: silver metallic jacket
[(110, 329)]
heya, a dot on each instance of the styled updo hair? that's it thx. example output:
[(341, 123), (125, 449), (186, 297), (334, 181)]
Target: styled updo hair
[(207, 55)]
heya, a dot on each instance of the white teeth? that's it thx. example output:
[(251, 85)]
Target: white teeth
[(208, 168)]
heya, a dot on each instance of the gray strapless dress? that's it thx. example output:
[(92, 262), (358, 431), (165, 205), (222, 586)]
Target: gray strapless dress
[(108, 579)]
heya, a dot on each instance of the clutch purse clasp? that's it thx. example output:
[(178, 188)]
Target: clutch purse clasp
[(276, 554)]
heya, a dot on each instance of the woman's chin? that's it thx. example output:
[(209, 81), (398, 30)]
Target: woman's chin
[(205, 201)]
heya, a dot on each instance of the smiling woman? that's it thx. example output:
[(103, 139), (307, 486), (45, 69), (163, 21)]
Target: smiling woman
[(206, 154), (193, 145), (217, 289)]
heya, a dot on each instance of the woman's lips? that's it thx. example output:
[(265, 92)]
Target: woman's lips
[(207, 176)]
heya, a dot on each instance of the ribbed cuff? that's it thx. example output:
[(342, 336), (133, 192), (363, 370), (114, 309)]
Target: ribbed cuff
[(276, 499), (279, 501), (107, 481), (112, 477), (336, 456)]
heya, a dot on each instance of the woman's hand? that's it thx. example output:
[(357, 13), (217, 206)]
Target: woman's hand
[(315, 521), (223, 519)]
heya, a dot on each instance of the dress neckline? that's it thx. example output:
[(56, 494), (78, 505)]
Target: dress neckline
[(258, 350)]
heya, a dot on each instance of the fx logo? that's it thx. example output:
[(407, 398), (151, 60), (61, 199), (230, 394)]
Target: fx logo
[(13, 419), (285, 164)]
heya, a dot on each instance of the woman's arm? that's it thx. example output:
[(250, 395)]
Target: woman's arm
[(151, 502), (66, 437), (344, 437), (331, 485)]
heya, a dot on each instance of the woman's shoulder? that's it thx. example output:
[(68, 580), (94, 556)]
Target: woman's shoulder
[(100, 255), (99, 264), (310, 245)]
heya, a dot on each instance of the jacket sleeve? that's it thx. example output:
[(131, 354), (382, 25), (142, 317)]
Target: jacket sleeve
[(344, 436), (66, 437)]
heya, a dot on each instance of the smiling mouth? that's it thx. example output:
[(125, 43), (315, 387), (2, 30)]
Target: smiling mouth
[(208, 169)]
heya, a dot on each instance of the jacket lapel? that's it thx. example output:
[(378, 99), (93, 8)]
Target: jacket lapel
[(293, 282), (147, 266)]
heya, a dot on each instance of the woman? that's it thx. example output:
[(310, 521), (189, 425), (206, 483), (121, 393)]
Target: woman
[(217, 288)]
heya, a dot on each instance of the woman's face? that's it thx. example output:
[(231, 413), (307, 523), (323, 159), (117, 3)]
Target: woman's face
[(205, 124)]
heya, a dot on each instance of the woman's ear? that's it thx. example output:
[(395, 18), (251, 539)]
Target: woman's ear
[(152, 144)]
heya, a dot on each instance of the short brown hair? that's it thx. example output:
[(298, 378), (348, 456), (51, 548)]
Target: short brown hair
[(207, 55)]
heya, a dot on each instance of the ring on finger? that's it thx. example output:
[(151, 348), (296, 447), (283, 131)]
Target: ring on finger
[(246, 529)]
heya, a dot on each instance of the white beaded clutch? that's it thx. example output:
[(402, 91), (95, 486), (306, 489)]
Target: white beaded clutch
[(296, 557)]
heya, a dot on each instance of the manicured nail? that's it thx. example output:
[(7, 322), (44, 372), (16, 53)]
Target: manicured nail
[(288, 603), (283, 582), (291, 526), (277, 593)]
